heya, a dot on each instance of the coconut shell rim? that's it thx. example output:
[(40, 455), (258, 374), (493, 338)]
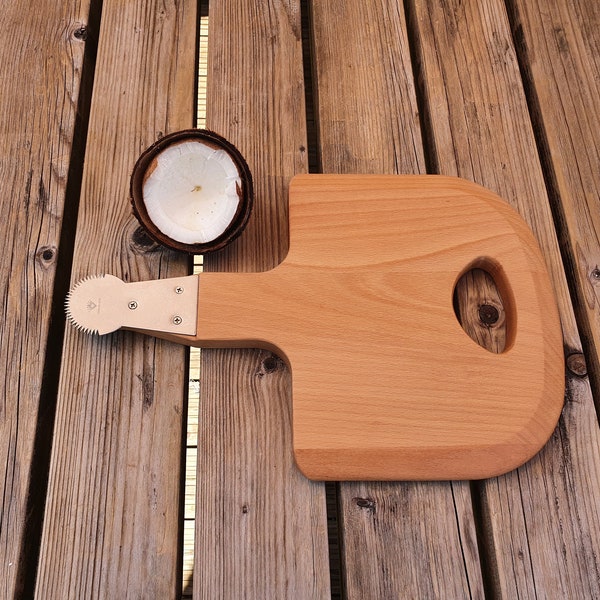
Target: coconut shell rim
[(241, 217)]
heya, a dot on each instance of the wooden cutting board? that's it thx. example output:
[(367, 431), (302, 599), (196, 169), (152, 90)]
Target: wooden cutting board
[(386, 384)]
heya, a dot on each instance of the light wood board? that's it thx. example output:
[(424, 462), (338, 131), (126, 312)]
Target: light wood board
[(363, 304)]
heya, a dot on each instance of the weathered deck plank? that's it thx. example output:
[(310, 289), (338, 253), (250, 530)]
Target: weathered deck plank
[(405, 540), (112, 523), (559, 44), (38, 116), (541, 520), (261, 529)]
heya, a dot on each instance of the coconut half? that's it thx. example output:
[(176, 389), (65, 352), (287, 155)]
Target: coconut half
[(192, 191)]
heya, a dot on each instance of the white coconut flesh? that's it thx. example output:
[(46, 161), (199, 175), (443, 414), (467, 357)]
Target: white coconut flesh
[(191, 195)]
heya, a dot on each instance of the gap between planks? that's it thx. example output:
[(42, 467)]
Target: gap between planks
[(191, 454), (191, 450)]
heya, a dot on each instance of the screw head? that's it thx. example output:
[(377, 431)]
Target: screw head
[(179, 290), (177, 320), (132, 305)]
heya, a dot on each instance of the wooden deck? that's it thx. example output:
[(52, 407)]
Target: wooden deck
[(505, 93)]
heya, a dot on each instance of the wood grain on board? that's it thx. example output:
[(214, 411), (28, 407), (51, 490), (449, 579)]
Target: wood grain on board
[(42, 57), (362, 305), (541, 521), (112, 522), (398, 539), (261, 527)]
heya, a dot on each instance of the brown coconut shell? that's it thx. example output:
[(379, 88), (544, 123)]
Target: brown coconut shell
[(146, 164)]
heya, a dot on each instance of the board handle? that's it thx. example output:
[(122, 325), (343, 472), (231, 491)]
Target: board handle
[(238, 310)]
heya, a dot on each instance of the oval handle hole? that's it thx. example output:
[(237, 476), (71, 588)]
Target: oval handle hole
[(480, 310)]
